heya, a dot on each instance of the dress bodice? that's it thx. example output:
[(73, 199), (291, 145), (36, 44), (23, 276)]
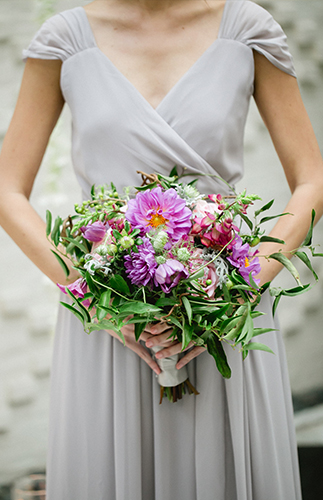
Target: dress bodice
[(199, 124)]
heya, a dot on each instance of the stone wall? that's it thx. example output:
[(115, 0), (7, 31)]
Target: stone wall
[(28, 300)]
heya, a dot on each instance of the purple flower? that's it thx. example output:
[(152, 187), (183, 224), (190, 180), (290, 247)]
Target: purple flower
[(151, 209), (94, 231), (141, 266), (245, 262), (169, 274), (78, 288)]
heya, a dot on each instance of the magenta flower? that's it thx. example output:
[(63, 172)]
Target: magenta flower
[(245, 262), (169, 274), (78, 288), (94, 231), (141, 266), (155, 208)]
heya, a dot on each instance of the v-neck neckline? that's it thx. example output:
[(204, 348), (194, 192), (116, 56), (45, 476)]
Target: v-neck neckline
[(179, 81)]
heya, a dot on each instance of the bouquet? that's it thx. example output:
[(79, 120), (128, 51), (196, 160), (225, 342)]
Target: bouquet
[(175, 255)]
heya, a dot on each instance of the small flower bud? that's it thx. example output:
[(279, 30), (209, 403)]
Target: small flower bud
[(183, 254), (229, 284), (112, 249), (255, 242), (159, 241), (102, 250), (126, 242), (160, 259)]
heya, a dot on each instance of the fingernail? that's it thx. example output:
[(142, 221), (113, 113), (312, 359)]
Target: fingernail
[(159, 355), (149, 343)]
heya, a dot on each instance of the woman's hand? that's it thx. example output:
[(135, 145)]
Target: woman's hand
[(158, 335), (136, 346)]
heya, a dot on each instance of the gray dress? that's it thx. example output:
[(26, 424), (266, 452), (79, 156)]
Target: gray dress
[(109, 438)]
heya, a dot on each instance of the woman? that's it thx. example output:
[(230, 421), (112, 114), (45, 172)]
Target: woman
[(151, 84)]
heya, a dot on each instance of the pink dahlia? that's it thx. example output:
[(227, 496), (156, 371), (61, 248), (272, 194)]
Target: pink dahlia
[(154, 208), (169, 274), (245, 261), (141, 266)]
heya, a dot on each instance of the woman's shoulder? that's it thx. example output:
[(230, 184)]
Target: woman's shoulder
[(248, 23), (60, 36)]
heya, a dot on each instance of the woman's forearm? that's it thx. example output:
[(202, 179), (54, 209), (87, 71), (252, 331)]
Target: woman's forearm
[(27, 229)]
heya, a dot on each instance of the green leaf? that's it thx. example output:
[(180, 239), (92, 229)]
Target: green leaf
[(139, 328), (188, 309), (119, 284), (62, 263), (229, 323), (135, 232), (48, 223), (187, 335), (195, 276), (76, 243), (152, 185), (308, 238), (216, 350), (138, 308), (261, 331), (93, 191), (55, 234), (174, 321), (217, 313), (70, 247), (252, 282), (256, 314), (264, 208), (271, 239), (314, 254), (105, 299), (116, 234), (247, 220), (247, 330), (105, 325), (256, 346), (74, 311), (173, 172), (304, 258), (90, 283), (271, 217), (226, 293), (275, 304), (264, 287), (298, 290), (101, 313), (287, 263), (166, 301), (83, 309), (242, 287)]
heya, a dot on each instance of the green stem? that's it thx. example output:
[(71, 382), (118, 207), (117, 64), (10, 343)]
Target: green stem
[(210, 175), (109, 288), (74, 262)]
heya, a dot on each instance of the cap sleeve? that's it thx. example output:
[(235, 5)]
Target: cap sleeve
[(256, 28), (52, 41)]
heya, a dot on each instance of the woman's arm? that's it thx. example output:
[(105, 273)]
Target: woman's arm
[(39, 105), (280, 104), (281, 107)]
